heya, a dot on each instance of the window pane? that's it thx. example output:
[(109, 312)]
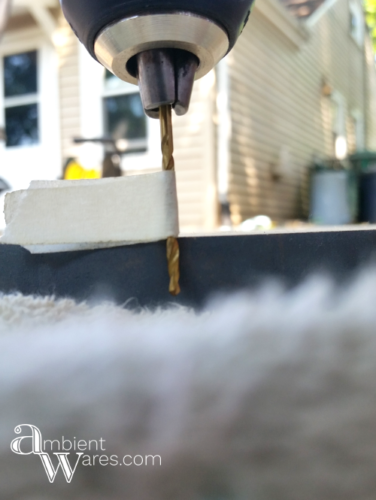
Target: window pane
[(108, 75), (111, 83), (124, 117), (20, 74), (22, 125)]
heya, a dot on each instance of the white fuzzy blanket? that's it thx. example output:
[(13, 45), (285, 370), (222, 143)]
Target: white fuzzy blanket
[(268, 396)]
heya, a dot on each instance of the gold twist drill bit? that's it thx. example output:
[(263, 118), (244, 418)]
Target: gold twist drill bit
[(173, 251)]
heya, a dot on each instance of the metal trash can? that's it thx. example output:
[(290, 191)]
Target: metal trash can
[(363, 161), (365, 165), (333, 194), (367, 197)]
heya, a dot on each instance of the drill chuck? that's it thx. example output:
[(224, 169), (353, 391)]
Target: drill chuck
[(162, 45)]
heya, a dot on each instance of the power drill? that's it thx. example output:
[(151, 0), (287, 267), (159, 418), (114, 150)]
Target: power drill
[(161, 45)]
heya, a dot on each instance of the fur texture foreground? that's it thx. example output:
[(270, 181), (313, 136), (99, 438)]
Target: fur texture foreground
[(268, 396)]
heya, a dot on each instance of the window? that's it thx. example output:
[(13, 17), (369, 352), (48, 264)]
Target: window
[(112, 108), (124, 118), (358, 129), (20, 74), (29, 108), (356, 23)]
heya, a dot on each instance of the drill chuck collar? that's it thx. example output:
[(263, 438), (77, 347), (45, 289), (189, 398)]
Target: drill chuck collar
[(89, 17)]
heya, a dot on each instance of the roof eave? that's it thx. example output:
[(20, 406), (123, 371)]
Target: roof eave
[(277, 14), (319, 13)]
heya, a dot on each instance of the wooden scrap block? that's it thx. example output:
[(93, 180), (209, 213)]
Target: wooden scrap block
[(80, 215)]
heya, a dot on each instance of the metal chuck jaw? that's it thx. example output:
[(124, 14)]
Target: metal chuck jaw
[(166, 77)]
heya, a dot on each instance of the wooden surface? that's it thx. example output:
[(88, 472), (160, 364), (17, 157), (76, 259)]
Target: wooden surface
[(90, 214)]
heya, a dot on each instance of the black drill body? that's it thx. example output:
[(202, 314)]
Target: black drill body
[(89, 17)]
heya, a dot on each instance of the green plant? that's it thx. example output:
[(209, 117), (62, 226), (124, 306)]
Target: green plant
[(370, 12)]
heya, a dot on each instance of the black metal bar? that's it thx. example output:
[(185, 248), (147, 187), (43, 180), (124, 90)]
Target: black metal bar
[(209, 265)]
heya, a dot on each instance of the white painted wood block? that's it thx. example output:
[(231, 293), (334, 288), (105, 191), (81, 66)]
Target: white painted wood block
[(55, 216)]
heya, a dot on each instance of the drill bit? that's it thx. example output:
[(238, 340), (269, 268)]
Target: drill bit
[(167, 137), (173, 252)]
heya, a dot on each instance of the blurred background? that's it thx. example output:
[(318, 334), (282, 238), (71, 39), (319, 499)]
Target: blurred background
[(282, 133)]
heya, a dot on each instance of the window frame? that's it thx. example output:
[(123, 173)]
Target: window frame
[(356, 12), (22, 100), (123, 89), (340, 141), (45, 157), (359, 132)]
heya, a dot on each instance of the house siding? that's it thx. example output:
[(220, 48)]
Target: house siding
[(194, 138), (69, 88), (278, 109), (370, 125), (280, 118)]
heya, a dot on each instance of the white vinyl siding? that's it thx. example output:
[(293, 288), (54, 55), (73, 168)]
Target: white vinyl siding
[(277, 102), (69, 87)]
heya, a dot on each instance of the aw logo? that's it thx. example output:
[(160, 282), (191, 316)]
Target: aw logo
[(37, 449)]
